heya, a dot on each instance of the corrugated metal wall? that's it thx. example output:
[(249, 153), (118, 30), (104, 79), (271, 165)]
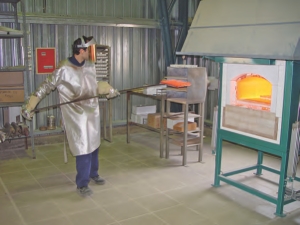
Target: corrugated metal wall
[(137, 51), (134, 60)]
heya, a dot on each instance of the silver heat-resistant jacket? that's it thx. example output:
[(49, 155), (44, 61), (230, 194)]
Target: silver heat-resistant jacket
[(81, 119)]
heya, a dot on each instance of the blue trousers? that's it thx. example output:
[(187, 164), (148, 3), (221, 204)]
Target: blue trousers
[(87, 167)]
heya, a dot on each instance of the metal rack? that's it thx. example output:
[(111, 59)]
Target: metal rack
[(102, 62), (103, 73), (191, 96), (160, 97), (10, 33), (21, 40)]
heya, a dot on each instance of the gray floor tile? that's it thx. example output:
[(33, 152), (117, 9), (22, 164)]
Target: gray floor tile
[(125, 210), (9, 216), (120, 160), (137, 190), (56, 180), (59, 160), (2, 191), (54, 153), (124, 178), (109, 171), (5, 202), (179, 215), (23, 186), (67, 167), (156, 202), (91, 217), (31, 198), (148, 219), (188, 194), (109, 196), (16, 176), (57, 221), (36, 163), (141, 188), (11, 166), (73, 203), (44, 172), (164, 183), (107, 152), (59, 192), (39, 212)]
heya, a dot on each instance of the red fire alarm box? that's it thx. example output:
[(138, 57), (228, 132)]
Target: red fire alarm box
[(45, 60)]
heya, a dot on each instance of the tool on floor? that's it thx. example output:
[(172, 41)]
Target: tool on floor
[(97, 96)]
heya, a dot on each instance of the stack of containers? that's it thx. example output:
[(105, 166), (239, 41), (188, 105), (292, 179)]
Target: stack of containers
[(140, 113)]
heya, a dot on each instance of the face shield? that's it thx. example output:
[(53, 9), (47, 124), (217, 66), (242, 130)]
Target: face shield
[(87, 44), (91, 45)]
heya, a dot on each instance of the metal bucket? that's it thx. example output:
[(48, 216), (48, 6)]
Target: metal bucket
[(51, 123)]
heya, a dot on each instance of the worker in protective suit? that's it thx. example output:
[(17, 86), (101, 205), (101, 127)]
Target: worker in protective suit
[(75, 79)]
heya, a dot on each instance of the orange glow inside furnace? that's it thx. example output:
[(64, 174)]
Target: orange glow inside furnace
[(254, 88)]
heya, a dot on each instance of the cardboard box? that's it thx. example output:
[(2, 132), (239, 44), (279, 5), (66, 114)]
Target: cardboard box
[(143, 109), (154, 90), (8, 79), (9, 94), (153, 120), (180, 126), (173, 121), (139, 118)]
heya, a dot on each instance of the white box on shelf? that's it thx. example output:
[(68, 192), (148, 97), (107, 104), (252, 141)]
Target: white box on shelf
[(139, 118), (143, 109), (154, 90)]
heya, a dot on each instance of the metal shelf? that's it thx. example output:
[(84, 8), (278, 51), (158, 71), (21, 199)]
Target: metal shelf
[(9, 1), (13, 69), (9, 33), (160, 98), (186, 138), (10, 36), (58, 130), (10, 104), (190, 142)]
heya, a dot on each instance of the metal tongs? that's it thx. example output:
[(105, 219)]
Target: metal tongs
[(97, 96)]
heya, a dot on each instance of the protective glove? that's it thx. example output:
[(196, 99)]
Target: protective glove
[(104, 88), (2, 136), (113, 93), (28, 106)]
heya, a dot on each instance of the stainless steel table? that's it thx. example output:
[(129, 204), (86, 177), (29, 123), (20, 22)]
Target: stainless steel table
[(160, 98)]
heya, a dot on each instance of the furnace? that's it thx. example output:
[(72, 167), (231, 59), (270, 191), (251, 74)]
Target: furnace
[(252, 99), (257, 45)]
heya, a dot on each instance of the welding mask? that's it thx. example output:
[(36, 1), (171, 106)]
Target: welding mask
[(90, 45)]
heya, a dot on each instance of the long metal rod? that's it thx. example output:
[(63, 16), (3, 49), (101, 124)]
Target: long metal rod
[(96, 96)]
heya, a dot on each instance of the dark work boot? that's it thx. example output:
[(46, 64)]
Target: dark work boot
[(84, 191), (98, 180)]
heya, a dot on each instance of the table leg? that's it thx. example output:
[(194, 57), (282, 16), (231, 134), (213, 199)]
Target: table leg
[(128, 116), (162, 112)]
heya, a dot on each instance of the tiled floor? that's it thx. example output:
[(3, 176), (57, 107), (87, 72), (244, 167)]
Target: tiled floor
[(141, 188)]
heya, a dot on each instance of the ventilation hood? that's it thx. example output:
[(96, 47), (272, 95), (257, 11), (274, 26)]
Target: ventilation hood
[(245, 29)]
